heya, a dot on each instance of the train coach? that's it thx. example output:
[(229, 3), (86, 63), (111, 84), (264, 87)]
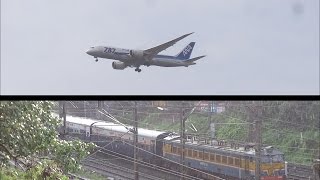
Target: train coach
[(233, 163), (117, 138), (215, 159)]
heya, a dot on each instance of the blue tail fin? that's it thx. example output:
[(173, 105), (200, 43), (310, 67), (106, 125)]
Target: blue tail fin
[(186, 52)]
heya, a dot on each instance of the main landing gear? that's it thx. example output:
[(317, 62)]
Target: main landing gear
[(96, 59), (138, 70)]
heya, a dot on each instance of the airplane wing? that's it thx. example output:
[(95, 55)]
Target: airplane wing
[(150, 53)]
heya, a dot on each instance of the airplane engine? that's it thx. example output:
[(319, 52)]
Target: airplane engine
[(118, 65), (137, 54)]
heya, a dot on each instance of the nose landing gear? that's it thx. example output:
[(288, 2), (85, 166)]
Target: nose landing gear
[(96, 59), (138, 70)]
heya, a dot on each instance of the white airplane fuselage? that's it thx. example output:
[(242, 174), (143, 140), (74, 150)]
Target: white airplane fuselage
[(123, 55), (149, 57)]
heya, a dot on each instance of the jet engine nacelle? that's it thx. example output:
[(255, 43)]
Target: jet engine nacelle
[(137, 54), (118, 65)]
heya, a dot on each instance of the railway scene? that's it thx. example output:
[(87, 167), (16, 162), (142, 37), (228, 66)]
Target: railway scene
[(160, 140)]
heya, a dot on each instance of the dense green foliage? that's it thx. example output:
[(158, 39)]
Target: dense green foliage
[(291, 126), (45, 170), (29, 134)]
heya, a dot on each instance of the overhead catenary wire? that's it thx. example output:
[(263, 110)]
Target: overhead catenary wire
[(271, 144), (204, 135), (146, 164), (246, 121), (160, 157), (109, 115), (121, 167)]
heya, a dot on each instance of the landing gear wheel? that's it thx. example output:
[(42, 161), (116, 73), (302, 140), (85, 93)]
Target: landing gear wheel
[(138, 70), (96, 59)]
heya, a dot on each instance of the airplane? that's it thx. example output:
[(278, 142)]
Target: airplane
[(149, 57)]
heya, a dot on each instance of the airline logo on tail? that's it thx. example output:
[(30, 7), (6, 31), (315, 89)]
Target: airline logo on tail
[(186, 52)]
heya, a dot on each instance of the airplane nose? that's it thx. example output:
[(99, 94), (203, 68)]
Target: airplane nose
[(89, 51)]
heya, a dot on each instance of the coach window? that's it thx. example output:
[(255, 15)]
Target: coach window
[(169, 148), (237, 162), (218, 158), (230, 160), (224, 159), (195, 154), (200, 154), (211, 157), (189, 152), (174, 150), (206, 156), (179, 150)]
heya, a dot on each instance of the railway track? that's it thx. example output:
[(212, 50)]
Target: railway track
[(300, 172), (115, 171), (119, 168)]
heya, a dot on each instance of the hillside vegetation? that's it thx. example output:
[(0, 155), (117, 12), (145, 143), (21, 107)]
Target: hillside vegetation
[(293, 127)]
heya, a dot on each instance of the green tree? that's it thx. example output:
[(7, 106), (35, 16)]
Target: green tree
[(29, 134)]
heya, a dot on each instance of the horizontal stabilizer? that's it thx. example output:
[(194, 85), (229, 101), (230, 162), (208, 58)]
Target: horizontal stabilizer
[(194, 59)]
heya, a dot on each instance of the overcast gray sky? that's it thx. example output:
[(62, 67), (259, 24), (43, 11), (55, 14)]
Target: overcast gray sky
[(252, 46)]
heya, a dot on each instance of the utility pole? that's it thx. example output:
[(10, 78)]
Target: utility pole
[(64, 116), (258, 148), (211, 125), (182, 139), (135, 142), (254, 110), (99, 108)]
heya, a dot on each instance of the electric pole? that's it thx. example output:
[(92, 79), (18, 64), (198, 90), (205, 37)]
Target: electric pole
[(258, 148), (254, 115), (99, 108), (135, 142), (63, 114), (182, 139)]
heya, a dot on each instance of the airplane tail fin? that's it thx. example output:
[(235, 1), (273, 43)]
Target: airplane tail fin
[(186, 52)]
